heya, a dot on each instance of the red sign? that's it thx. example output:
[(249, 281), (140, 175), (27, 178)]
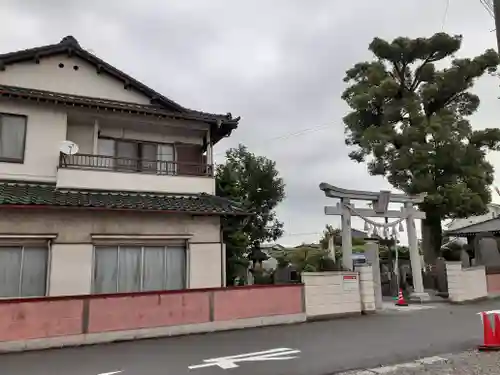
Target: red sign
[(349, 277)]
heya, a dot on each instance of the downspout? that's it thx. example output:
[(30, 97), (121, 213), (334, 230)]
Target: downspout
[(222, 257), (49, 267)]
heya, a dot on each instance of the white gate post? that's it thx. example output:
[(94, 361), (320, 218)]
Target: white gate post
[(416, 264), (346, 234), (372, 252)]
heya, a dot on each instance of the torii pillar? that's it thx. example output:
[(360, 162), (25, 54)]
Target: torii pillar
[(380, 201)]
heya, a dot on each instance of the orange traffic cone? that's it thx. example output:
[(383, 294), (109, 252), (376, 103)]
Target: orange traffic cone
[(491, 342), (401, 299)]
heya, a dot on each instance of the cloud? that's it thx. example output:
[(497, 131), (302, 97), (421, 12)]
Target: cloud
[(277, 64)]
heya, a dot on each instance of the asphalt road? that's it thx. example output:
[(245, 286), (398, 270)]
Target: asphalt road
[(321, 348)]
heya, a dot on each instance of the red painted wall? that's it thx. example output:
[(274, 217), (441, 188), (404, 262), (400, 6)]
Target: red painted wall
[(133, 312), (38, 319), (251, 303), (24, 319)]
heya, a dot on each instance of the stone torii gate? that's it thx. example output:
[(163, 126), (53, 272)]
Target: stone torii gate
[(380, 202)]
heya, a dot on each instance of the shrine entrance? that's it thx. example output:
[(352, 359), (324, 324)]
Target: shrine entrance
[(380, 204)]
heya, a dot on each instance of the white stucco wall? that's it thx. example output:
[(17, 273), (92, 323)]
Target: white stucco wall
[(466, 284), (85, 81), (46, 128), (70, 269), (121, 181), (205, 265)]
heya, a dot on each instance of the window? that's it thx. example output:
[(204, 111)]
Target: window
[(12, 137), (137, 156), (23, 271), (125, 269)]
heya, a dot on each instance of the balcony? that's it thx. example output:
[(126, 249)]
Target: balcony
[(87, 171)]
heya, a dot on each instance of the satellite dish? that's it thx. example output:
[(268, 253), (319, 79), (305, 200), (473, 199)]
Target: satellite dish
[(68, 148)]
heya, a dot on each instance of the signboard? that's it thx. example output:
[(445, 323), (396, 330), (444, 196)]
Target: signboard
[(225, 363), (350, 282)]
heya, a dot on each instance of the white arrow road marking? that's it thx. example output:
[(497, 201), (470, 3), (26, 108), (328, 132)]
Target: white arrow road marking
[(279, 354), (110, 373)]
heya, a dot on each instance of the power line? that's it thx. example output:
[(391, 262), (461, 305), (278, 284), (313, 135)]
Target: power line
[(288, 136), (488, 5), (445, 15)]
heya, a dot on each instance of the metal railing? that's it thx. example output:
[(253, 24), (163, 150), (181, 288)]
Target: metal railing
[(120, 164)]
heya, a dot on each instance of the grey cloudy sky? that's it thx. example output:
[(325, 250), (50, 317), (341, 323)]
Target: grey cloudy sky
[(278, 63)]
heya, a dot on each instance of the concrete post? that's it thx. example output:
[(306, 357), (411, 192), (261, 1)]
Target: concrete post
[(372, 255), (346, 235), (416, 264)]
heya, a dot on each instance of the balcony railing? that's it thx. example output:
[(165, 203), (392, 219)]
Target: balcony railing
[(119, 164)]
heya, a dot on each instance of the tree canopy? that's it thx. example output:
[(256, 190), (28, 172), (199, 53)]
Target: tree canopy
[(409, 122), (253, 182)]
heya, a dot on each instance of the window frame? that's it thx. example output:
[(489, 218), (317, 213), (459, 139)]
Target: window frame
[(185, 269), (47, 249), (139, 150), (15, 160)]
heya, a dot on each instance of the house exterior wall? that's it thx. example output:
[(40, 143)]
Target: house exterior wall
[(71, 256), (47, 75), (121, 181), (45, 129)]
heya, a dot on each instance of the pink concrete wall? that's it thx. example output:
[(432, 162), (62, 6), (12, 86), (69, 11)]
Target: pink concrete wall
[(38, 319), (147, 311), (241, 303), (25, 319), (493, 282)]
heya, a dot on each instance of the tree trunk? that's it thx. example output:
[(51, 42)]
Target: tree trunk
[(431, 237)]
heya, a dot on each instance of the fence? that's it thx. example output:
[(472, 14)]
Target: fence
[(76, 320)]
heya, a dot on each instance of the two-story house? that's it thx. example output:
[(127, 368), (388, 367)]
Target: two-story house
[(133, 210)]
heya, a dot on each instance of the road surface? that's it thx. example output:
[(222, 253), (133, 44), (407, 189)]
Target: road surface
[(318, 348)]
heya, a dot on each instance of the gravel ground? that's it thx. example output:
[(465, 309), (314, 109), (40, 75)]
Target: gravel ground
[(468, 363)]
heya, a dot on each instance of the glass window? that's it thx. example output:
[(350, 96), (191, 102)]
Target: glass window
[(127, 154), (125, 269), (136, 156), (23, 271), (106, 147), (166, 159), (12, 135)]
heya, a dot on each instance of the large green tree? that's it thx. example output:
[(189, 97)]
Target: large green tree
[(408, 121), (253, 182)]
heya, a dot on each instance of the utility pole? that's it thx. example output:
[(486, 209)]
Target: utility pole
[(496, 14)]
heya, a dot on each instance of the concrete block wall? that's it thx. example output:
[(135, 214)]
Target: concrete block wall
[(39, 323), (466, 284), (331, 293)]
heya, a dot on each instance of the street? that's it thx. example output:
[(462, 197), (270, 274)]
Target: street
[(316, 348)]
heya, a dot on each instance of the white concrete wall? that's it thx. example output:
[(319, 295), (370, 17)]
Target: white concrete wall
[(45, 129), (121, 181), (70, 269), (331, 293), (205, 265), (466, 284), (47, 75)]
